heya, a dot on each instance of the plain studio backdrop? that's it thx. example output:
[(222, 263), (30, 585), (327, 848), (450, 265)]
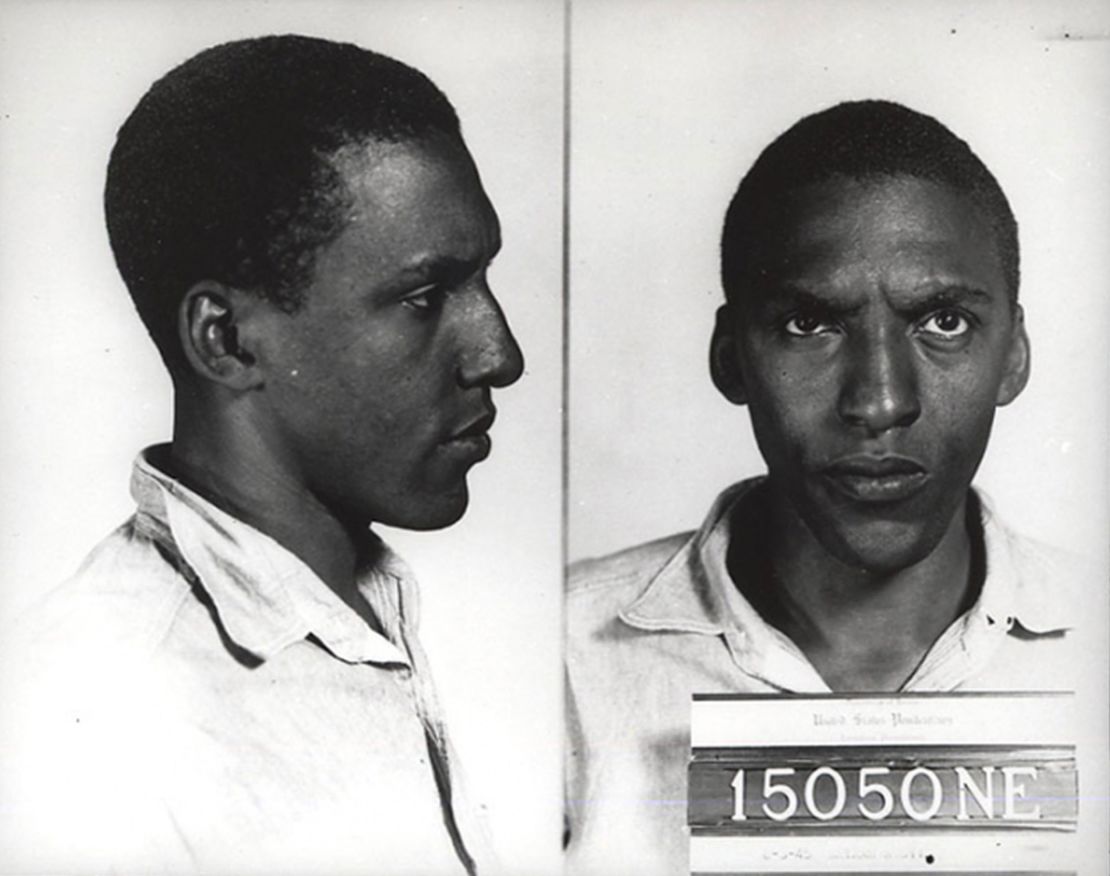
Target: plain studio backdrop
[(83, 388)]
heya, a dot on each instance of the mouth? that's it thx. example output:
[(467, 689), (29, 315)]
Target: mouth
[(475, 428), (876, 479), (471, 441)]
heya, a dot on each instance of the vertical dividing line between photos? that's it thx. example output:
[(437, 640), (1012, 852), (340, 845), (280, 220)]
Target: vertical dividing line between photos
[(565, 419)]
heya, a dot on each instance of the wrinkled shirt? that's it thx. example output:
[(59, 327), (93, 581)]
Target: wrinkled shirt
[(199, 700), (650, 626)]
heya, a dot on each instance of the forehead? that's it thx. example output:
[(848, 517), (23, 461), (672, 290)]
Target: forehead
[(410, 204), (894, 231)]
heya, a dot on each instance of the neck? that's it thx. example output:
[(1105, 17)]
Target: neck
[(862, 629), (230, 464)]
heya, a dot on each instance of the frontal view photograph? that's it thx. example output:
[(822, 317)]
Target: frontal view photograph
[(837, 506)]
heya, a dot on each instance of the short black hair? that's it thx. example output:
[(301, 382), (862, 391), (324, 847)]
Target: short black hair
[(223, 170), (862, 140)]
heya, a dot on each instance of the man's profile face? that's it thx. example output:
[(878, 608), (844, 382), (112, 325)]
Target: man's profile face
[(377, 392), (876, 340)]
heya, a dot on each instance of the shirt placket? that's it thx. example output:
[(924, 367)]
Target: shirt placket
[(415, 681)]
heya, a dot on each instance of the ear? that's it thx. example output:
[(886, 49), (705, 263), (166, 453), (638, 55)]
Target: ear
[(208, 323), (1016, 368), (723, 359)]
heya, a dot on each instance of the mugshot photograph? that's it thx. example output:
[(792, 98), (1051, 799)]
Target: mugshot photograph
[(538, 437), (830, 309), (308, 257)]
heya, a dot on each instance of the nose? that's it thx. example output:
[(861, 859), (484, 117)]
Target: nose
[(879, 390), (490, 355)]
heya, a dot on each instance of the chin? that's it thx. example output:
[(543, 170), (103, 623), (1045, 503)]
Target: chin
[(883, 548), (429, 512)]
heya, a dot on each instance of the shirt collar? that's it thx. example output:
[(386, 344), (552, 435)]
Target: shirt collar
[(694, 593), (691, 593), (1016, 588), (267, 598)]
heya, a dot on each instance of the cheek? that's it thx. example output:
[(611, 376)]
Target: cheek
[(962, 397), (787, 419), (957, 414), (791, 396), (339, 368), (331, 399), (964, 428)]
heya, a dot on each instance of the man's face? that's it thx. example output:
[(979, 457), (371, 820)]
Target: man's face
[(377, 391), (875, 343)]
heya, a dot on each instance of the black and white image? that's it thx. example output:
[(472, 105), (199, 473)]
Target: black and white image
[(838, 297), (554, 436), (225, 710)]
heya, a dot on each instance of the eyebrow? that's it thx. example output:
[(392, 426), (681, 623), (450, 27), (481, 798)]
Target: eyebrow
[(790, 295), (947, 296), (444, 266)]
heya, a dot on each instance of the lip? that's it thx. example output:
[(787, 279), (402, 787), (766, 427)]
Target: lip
[(471, 441), (474, 428), (874, 479)]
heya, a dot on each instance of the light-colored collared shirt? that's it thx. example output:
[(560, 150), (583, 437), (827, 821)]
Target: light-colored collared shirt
[(199, 700), (652, 625)]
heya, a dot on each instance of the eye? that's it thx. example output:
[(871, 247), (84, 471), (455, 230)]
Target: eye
[(425, 299), (946, 324), (806, 325)]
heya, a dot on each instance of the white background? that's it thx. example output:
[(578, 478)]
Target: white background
[(672, 104), (83, 389)]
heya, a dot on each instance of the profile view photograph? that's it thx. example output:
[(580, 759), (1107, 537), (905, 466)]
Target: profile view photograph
[(233, 680), (871, 325)]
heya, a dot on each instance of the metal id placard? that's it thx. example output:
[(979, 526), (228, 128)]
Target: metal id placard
[(941, 783)]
